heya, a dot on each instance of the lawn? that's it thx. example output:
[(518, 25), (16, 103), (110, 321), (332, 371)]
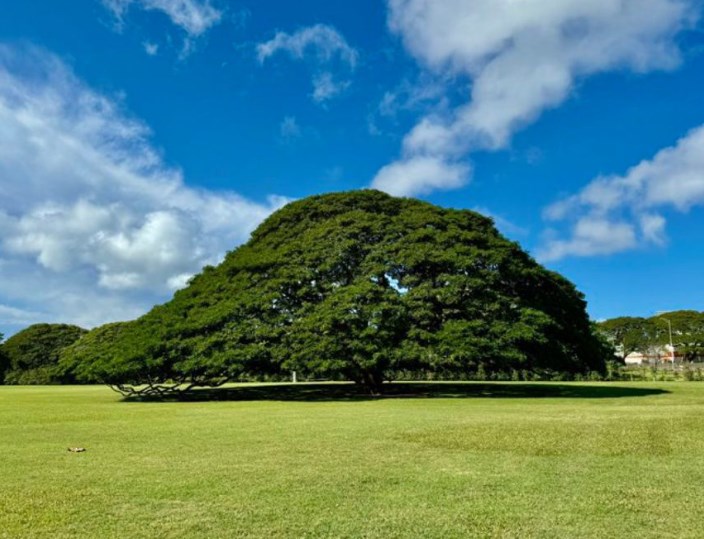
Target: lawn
[(448, 460)]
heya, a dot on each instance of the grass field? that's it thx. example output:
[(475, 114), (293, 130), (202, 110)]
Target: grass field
[(449, 460)]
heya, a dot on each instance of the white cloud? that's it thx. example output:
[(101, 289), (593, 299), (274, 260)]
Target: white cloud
[(322, 41), (591, 236), (95, 226), (525, 57), (420, 175), (323, 45), (325, 87), (32, 294), (652, 227), (195, 17), (673, 179)]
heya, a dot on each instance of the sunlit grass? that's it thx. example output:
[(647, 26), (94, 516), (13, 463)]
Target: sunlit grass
[(527, 460)]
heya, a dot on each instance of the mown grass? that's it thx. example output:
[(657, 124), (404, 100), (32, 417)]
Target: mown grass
[(525, 460)]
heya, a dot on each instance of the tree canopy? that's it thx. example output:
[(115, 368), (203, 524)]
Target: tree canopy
[(360, 286), (629, 334), (32, 355)]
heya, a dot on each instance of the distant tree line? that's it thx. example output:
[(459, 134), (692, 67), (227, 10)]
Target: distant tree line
[(648, 336)]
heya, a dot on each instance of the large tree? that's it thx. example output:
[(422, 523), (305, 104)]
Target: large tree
[(359, 285), (32, 355)]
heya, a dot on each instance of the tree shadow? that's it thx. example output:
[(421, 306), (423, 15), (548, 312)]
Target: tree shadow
[(327, 392)]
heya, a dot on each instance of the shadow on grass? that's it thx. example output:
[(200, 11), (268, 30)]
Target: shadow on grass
[(321, 392)]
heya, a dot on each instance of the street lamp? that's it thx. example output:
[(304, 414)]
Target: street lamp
[(672, 347)]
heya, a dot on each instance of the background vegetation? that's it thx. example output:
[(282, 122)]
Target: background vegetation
[(32, 355), (649, 336)]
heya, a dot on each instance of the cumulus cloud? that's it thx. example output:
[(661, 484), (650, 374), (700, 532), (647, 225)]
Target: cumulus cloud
[(420, 175), (324, 47), (95, 225), (591, 235), (31, 294), (523, 58), (616, 213)]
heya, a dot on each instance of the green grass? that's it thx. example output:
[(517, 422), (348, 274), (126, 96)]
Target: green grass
[(450, 460)]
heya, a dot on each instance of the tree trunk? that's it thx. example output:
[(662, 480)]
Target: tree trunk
[(373, 382)]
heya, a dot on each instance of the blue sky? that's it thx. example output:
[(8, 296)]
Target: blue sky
[(142, 139)]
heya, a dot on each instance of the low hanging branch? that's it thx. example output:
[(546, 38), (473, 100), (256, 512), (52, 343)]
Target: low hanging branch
[(147, 390), (157, 389)]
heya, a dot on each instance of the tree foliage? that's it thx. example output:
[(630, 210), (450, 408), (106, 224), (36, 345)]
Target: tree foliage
[(628, 333), (32, 355), (356, 285), (687, 332)]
